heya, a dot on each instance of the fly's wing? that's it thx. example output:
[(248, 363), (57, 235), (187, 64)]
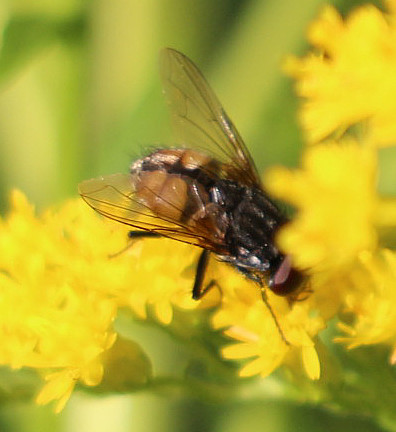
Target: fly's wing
[(200, 121), (115, 197)]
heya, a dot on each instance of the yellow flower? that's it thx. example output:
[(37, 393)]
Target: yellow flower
[(371, 299), (62, 282), (342, 226), (335, 236), (60, 291), (350, 77), (65, 274), (51, 317), (247, 319), (335, 193), (151, 285)]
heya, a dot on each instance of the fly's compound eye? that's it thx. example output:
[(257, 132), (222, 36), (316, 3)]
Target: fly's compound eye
[(286, 279)]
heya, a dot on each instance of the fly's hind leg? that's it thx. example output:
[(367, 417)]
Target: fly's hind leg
[(135, 235), (142, 234), (198, 289)]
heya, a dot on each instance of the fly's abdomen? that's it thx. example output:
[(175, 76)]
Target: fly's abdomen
[(174, 184), (165, 195)]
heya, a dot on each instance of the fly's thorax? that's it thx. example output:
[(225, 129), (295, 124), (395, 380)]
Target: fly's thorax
[(178, 161), (253, 222)]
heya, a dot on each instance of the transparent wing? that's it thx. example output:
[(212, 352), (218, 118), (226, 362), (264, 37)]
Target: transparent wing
[(200, 121), (115, 197)]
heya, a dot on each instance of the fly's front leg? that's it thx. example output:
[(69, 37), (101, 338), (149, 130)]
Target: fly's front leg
[(272, 313)]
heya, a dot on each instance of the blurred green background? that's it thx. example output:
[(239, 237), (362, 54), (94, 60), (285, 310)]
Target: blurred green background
[(80, 96), (79, 85)]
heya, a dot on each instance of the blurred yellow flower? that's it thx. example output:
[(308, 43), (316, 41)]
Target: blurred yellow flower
[(348, 88), (371, 300), (335, 193), (336, 233), (350, 77), (335, 237)]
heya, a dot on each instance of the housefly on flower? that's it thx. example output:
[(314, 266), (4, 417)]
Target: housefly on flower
[(205, 190)]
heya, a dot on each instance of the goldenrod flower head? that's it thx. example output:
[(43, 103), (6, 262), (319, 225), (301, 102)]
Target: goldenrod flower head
[(371, 300), (350, 76), (335, 237), (247, 319), (51, 316), (151, 285), (60, 291), (348, 88), (335, 194)]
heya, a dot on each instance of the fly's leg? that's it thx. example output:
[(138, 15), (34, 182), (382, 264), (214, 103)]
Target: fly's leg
[(142, 234), (198, 290), (258, 280), (135, 235), (271, 311)]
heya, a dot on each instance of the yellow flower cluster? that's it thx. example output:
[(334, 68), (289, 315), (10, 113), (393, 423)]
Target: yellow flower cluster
[(60, 291), (348, 91), (47, 319), (350, 79), (335, 236), (247, 320), (63, 280), (348, 87)]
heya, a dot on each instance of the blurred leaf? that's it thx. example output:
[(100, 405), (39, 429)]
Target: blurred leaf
[(355, 382), (18, 385), (25, 37), (45, 8), (126, 367), (387, 171)]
